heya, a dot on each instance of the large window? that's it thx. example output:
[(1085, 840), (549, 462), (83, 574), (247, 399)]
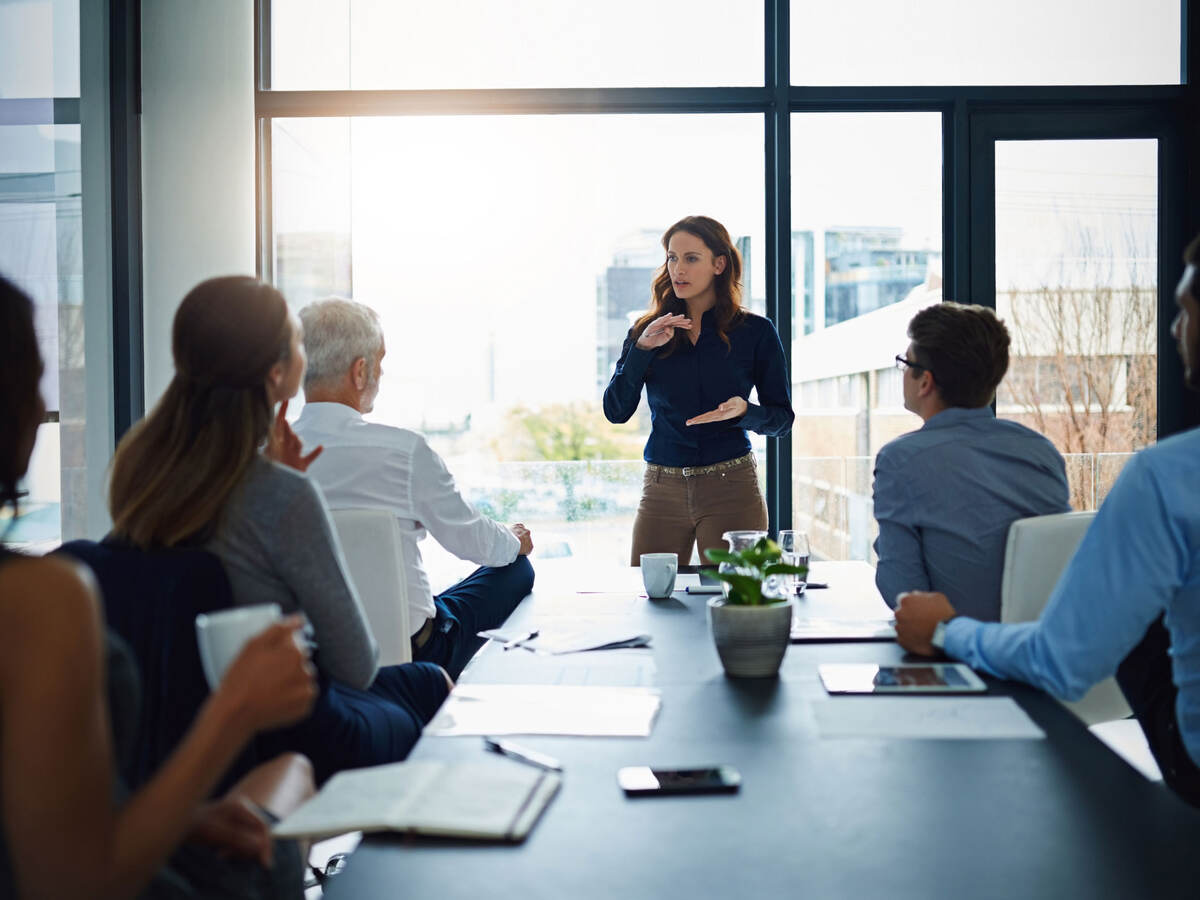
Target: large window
[(41, 251), (494, 178), (1077, 282)]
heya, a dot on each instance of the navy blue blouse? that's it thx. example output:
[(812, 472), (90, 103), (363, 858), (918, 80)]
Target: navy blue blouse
[(697, 379)]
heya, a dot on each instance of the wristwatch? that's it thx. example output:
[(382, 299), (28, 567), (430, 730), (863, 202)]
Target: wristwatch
[(939, 634)]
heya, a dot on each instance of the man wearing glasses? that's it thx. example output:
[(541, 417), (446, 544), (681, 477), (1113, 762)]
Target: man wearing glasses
[(946, 493), (1128, 601)]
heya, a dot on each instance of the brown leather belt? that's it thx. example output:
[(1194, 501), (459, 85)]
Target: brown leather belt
[(421, 638), (688, 471)]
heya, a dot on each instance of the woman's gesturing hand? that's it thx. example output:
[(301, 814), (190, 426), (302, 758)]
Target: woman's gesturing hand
[(733, 408), (284, 447), (272, 682), (662, 330)]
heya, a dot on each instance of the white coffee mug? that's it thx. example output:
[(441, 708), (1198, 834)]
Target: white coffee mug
[(222, 635), (658, 573)]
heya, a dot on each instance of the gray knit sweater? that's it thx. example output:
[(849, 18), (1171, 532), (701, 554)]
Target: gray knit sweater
[(278, 545)]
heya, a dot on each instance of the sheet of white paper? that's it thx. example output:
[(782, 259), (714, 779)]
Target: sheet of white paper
[(814, 629), (493, 709), (612, 668), (572, 636), (936, 718)]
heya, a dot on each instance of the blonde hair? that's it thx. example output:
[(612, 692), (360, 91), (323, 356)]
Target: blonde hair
[(174, 471)]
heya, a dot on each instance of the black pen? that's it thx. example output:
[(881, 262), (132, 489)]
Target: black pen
[(522, 754)]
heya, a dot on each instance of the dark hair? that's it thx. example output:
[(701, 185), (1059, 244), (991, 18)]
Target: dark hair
[(728, 285), (22, 370), (966, 350), (1191, 255), (174, 470)]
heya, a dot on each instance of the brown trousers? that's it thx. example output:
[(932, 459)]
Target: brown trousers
[(677, 511)]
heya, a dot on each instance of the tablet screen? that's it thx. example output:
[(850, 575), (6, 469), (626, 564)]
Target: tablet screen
[(899, 679)]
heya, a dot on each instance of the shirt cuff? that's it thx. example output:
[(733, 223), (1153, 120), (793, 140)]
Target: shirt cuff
[(960, 634), (637, 361), (752, 419)]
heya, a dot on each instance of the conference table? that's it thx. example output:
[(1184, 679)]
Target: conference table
[(820, 817)]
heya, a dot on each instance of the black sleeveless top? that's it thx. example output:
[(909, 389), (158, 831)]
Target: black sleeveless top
[(193, 872)]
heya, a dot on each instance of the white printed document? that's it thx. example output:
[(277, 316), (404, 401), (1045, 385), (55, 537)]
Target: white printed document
[(928, 718), (494, 709)]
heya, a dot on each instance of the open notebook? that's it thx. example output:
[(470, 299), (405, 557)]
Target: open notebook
[(492, 800)]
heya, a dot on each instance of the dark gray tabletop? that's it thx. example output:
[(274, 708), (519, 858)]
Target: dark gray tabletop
[(824, 818)]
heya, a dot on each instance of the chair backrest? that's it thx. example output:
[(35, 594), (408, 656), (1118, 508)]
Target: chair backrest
[(151, 600), (370, 540), (1036, 555), (1037, 552)]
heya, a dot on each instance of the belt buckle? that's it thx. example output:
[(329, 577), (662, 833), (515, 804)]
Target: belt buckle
[(689, 470)]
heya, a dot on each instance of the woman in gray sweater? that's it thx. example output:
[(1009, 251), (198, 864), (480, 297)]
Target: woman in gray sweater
[(191, 473)]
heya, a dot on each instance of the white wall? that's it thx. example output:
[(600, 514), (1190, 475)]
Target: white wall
[(197, 158)]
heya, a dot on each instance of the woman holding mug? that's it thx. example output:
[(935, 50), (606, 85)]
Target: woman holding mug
[(699, 355), (68, 696), (194, 473)]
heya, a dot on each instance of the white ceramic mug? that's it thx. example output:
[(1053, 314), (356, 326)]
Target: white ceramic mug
[(222, 635), (658, 573)]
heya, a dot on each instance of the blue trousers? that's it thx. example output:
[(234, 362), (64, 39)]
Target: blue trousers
[(481, 601), (349, 728)]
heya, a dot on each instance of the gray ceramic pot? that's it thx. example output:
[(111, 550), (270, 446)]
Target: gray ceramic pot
[(751, 640)]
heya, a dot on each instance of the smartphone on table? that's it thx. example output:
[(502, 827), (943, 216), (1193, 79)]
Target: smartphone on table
[(644, 781)]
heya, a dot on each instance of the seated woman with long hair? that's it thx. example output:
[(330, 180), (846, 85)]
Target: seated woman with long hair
[(191, 474), (63, 835)]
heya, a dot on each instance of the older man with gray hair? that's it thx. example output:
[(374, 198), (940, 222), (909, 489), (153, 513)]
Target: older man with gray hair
[(367, 465)]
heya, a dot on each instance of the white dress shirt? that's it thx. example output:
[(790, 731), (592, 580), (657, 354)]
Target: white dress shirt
[(370, 466)]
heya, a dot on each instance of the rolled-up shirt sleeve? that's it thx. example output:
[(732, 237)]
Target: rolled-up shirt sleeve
[(1131, 562), (624, 390), (456, 524), (773, 414), (901, 563)]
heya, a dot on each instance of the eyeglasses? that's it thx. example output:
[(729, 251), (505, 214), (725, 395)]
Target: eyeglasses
[(903, 362)]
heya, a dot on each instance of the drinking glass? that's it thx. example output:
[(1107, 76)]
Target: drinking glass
[(794, 545)]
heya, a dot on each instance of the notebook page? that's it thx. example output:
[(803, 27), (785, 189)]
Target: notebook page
[(373, 799), (480, 799)]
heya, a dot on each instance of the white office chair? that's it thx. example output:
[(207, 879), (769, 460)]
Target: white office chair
[(1038, 551), (370, 540)]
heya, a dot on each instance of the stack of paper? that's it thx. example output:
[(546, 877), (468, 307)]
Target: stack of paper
[(490, 709)]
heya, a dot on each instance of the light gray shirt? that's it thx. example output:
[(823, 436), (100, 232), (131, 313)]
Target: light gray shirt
[(945, 496), (278, 545)]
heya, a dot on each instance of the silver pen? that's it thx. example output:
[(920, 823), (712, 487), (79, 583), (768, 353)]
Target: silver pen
[(522, 754), (517, 642)]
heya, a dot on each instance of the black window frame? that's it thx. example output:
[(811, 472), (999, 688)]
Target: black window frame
[(1169, 112)]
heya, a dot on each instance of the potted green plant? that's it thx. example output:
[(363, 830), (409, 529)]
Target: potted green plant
[(752, 622)]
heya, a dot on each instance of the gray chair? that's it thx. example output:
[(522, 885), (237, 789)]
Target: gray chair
[(1037, 553), (370, 540)]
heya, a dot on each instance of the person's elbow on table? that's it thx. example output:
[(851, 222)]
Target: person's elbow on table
[(917, 615)]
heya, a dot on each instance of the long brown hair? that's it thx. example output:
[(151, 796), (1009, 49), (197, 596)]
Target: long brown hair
[(728, 310), (174, 470)]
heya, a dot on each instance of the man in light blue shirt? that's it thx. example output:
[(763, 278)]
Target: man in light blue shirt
[(1139, 561), (946, 494)]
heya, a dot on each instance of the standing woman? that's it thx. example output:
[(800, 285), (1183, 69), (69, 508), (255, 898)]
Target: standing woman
[(699, 354)]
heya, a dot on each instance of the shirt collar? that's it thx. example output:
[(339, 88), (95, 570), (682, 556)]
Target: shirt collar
[(330, 412), (956, 414)]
